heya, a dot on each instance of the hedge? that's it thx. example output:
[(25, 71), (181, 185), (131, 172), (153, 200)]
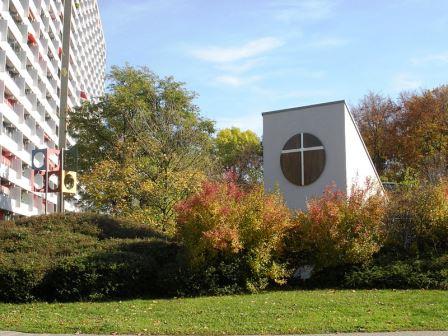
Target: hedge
[(80, 257)]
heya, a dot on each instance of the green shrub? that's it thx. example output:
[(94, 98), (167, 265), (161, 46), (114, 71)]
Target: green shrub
[(100, 276), (425, 273), (231, 237), (80, 257), (397, 275), (18, 282)]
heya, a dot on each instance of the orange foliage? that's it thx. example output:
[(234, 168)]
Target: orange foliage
[(224, 222), (409, 133), (338, 228)]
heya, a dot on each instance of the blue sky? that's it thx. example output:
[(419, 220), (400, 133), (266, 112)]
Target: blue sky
[(244, 57)]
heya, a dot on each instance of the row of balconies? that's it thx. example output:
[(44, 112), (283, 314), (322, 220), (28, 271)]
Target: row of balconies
[(27, 114), (25, 126), (23, 203), (17, 185), (39, 28), (17, 86), (23, 137), (18, 172), (22, 88), (45, 73), (92, 78), (38, 32), (86, 72), (18, 182), (74, 98), (46, 90)]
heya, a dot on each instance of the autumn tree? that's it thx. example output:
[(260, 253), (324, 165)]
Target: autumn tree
[(407, 137), (375, 116), (422, 126), (241, 153), (142, 147)]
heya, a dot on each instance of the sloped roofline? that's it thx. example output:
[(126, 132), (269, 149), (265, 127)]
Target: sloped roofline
[(352, 119), (305, 107)]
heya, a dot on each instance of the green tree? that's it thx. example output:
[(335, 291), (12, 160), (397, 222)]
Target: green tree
[(142, 147), (240, 152)]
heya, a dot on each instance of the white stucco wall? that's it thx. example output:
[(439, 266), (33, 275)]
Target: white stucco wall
[(359, 164), (325, 121)]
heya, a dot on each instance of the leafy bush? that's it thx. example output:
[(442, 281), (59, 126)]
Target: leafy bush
[(79, 256), (418, 218), (337, 229), (426, 273), (231, 237), (18, 280)]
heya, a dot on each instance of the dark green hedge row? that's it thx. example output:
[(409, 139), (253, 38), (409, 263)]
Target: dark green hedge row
[(80, 257), (385, 271), (429, 273)]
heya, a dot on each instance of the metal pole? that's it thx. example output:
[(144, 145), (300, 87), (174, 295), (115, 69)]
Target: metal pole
[(46, 191), (65, 60)]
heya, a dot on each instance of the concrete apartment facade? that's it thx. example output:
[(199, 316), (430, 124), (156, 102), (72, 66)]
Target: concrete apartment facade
[(30, 72)]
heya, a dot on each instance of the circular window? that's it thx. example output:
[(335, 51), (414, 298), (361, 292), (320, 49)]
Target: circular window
[(302, 159)]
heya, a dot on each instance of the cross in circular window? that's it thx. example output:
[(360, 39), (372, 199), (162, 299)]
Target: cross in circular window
[(302, 159)]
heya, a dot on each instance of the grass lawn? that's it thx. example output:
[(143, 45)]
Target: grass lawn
[(271, 312)]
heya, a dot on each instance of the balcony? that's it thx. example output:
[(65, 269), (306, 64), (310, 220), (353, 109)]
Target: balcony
[(10, 174)]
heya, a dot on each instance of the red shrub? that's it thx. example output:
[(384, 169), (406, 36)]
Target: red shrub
[(224, 222), (338, 228)]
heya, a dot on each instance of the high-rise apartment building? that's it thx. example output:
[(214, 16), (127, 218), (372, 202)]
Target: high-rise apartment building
[(30, 84)]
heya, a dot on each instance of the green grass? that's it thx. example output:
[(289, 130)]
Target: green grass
[(271, 312)]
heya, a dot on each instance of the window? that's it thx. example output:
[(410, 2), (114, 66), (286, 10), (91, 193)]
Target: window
[(302, 159)]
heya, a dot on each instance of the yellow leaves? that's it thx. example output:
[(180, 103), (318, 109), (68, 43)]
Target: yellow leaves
[(130, 190), (421, 210)]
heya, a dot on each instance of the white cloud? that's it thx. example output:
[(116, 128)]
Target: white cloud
[(289, 11), (236, 81), (441, 58), (237, 67), (235, 63), (230, 54), (405, 82)]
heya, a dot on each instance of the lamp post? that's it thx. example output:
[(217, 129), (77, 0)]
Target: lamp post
[(63, 98)]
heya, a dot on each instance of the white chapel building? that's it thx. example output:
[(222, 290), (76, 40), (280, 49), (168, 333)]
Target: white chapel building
[(306, 149)]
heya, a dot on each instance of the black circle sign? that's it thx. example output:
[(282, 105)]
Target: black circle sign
[(302, 159)]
